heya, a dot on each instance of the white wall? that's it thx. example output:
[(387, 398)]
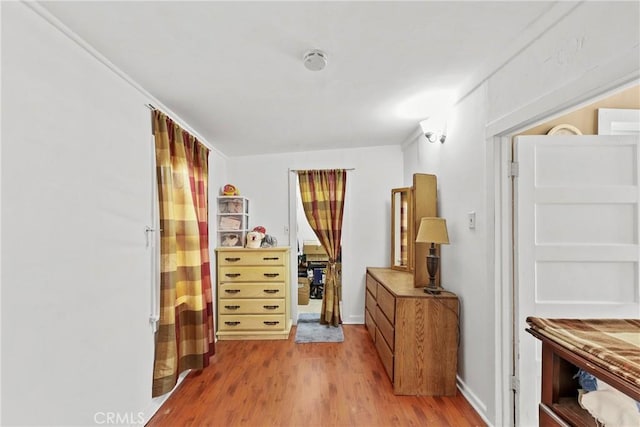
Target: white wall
[(76, 145), (460, 167), (217, 179), (366, 229), (76, 196), (578, 58), (596, 45)]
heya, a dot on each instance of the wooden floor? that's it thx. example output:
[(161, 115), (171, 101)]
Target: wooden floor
[(281, 383)]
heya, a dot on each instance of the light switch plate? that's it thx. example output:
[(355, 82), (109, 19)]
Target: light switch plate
[(471, 220)]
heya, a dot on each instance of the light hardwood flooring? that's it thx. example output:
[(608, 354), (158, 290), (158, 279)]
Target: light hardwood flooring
[(281, 383)]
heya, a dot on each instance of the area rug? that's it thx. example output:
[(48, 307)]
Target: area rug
[(310, 330)]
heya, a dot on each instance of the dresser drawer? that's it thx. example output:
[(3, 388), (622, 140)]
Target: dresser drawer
[(370, 324), (387, 303), (250, 322), (385, 353), (252, 274), (385, 328), (251, 290), (251, 306), (251, 258), (372, 285), (370, 302)]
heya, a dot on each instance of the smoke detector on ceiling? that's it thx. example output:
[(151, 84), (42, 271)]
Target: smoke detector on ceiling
[(315, 60)]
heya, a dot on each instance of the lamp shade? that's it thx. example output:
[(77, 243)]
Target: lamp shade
[(433, 230)]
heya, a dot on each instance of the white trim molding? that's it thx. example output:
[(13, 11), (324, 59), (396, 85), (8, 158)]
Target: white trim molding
[(473, 400)]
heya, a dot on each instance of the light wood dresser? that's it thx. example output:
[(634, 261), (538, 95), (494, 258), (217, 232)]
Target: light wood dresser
[(415, 334), (253, 293)]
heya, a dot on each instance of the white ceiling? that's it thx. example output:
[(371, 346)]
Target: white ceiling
[(233, 70)]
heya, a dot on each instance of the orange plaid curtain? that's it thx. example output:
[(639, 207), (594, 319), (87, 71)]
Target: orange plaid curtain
[(185, 334), (322, 193)]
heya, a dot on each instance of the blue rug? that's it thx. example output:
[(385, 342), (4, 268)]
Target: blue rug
[(309, 330)]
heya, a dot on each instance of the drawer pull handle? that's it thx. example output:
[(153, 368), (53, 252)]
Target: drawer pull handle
[(271, 291), (271, 274), (232, 323), (232, 291), (232, 259), (232, 274), (271, 258), (270, 323), (232, 307), (271, 307)]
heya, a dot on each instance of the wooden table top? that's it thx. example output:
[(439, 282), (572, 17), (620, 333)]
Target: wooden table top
[(400, 283)]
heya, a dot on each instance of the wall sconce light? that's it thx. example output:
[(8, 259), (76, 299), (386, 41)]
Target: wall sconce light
[(434, 129)]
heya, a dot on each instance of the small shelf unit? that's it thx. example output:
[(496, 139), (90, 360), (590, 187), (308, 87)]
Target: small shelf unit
[(232, 221)]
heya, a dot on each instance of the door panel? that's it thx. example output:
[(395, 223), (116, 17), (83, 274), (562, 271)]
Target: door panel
[(576, 239)]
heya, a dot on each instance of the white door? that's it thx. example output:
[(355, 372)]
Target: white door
[(576, 240)]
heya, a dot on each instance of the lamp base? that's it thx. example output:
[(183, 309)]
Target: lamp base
[(432, 268)]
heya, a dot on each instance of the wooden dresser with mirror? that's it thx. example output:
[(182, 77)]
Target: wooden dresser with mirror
[(408, 206), (415, 334)]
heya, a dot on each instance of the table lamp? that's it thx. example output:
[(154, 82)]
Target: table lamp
[(432, 230)]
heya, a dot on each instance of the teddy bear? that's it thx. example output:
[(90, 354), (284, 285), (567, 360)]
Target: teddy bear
[(254, 239), (230, 240), (230, 190), (255, 236)]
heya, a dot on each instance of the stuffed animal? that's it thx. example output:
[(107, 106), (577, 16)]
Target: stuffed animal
[(269, 241), (230, 240), (230, 190), (254, 239)]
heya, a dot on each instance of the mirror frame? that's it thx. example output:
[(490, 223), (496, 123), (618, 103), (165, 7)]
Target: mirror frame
[(403, 193)]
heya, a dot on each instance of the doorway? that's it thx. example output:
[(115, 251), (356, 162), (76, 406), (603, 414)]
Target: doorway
[(312, 261), (508, 321), (576, 252), (297, 221)]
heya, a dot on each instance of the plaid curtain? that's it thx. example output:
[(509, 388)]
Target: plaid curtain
[(185, 334), (322, 193)]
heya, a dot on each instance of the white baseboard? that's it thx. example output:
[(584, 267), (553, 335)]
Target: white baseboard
[(473, 400), (354, 320), (157, 402)]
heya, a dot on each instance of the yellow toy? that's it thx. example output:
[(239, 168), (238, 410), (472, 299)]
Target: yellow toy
[(230, 190)]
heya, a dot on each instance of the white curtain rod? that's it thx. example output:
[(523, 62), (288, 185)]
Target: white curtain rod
[(300, 170)]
